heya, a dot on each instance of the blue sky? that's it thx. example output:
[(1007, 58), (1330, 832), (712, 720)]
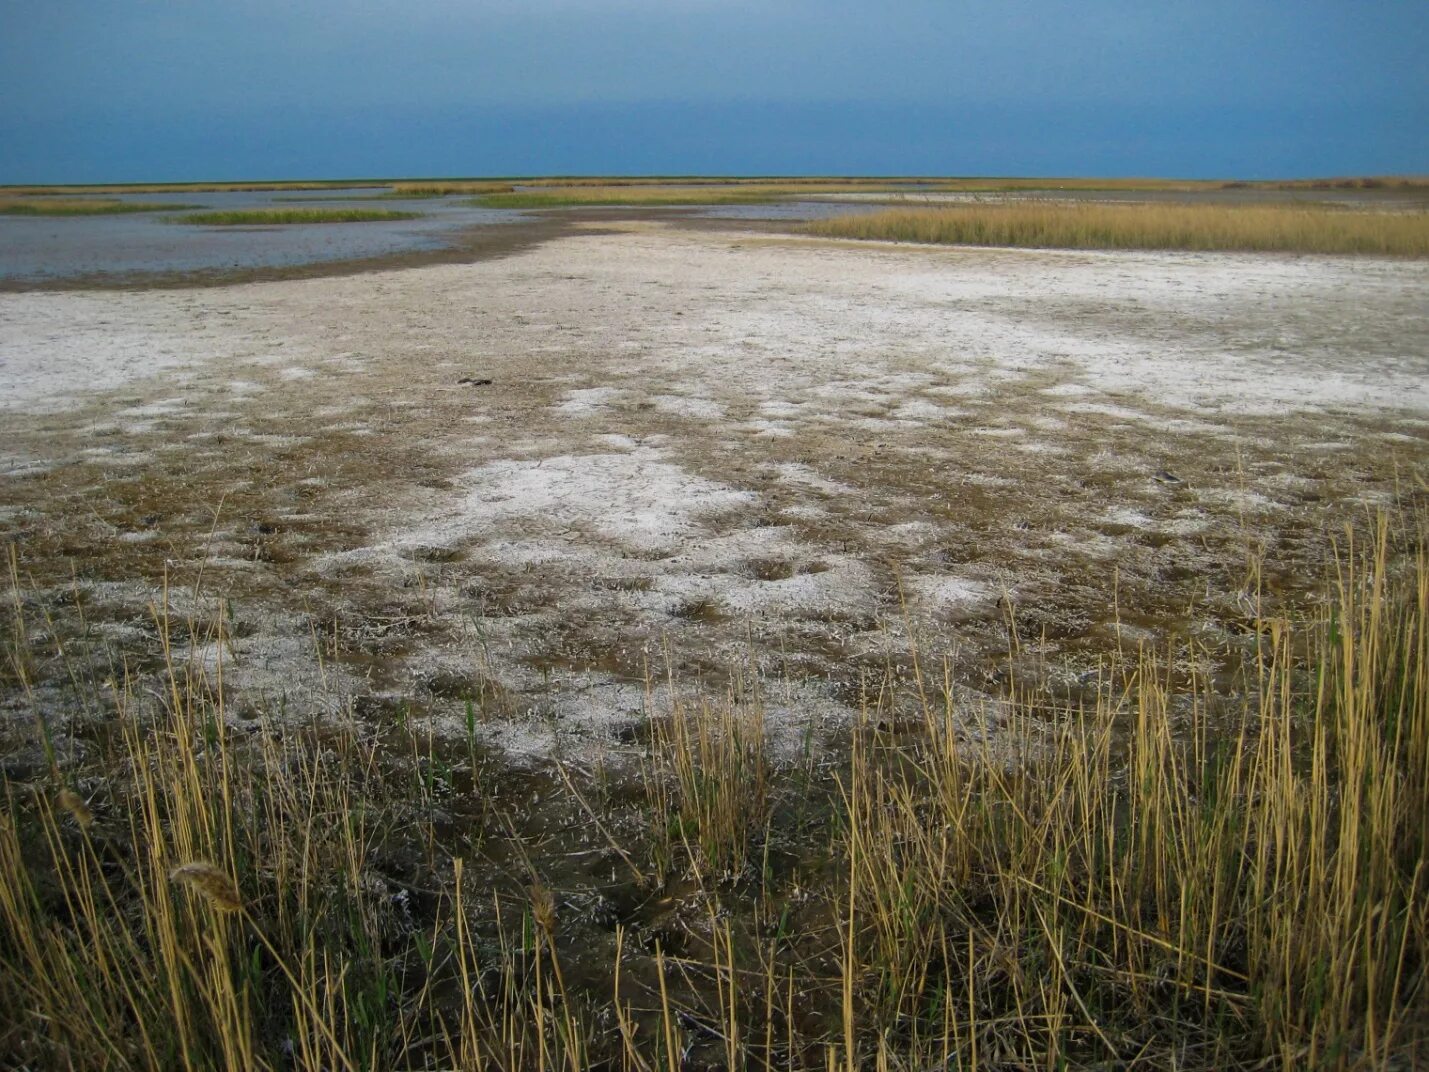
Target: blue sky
[(124, 90)]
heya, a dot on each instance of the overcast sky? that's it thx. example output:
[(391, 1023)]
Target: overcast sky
[(124, 90)]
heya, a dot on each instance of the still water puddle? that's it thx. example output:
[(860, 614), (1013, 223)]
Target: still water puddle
[(39, 248)]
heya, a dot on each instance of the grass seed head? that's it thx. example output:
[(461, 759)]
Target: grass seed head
[(216, 887), (73, 803), (543, 907)]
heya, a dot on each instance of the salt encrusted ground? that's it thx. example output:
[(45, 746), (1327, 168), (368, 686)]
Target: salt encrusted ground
[(726, 451)]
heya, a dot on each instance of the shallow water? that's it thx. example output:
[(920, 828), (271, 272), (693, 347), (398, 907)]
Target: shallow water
[(52, 247), (40, 249)]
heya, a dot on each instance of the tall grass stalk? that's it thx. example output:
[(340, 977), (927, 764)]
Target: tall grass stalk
[(707, 783)]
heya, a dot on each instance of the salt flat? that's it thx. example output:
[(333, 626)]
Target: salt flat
[(708, 449)]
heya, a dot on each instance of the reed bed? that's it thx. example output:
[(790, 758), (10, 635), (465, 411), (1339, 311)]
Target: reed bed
[(789, 181), (652, 194), (1012, 183), (1358, 182), (602, 196), (1172, 185), (1184, 227), (269, 216), (75, 206), (445, 189), (1166, 877)]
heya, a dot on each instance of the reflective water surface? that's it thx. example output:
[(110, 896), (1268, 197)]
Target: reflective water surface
[(57, 247)]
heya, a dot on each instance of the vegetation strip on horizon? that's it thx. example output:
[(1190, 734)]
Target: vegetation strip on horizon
[(23, 206)]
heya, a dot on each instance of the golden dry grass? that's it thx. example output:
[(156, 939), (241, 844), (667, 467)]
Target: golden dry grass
[(1130, 184), (787, 181), (656, 194), (1311, 229), (1165, 877), (446, 189), (1010, 183)]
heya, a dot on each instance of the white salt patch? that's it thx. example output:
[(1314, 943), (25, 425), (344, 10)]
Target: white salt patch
[(536, 552), (1181, 425), (20, 465), (1375, 497), (918, 409), (1127, 516), (1185, 525), (767, 428), (907, 535), (1240, 499), (1067, 390), (584, 403), (806, 477), (56, 348), (966, 389), (845, 587), (618, 441), (112, 456), (781, 408), (949, 591), (1119, 412), (1047, 424), (295, 373), (804, 512), (880, 424), (1090, 545), (635, 499), (161, 408), (682, 406)]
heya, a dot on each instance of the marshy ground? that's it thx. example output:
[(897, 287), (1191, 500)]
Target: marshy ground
[(527, 503), (711, 446)]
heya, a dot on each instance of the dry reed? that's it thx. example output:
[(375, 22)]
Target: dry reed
[(1312, 229), (1166, 877)]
